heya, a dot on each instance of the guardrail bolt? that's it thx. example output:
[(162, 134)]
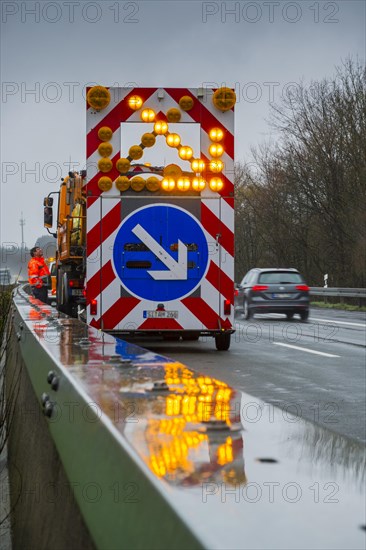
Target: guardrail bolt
[(45, 398), (50, 376), (48, 409), (55, 383)]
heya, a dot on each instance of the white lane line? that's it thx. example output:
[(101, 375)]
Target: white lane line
[(305, 349), (338, 322)]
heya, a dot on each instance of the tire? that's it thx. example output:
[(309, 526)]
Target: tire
[(289, 315), (304, 315), (246, 311), (222, 341), (64, 304)]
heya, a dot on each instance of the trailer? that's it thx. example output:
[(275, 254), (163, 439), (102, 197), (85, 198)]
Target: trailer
[(149, 247)]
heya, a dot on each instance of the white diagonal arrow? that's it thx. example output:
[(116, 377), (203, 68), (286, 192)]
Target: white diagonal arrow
[(176, 270)]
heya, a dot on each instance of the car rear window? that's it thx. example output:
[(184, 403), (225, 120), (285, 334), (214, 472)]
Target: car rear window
[(280, 277)]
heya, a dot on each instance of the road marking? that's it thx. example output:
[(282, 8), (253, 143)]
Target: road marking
[(305, 349), (338, 322)]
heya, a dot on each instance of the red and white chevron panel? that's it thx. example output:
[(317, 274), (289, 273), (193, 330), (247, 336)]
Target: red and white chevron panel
[(116, 309)]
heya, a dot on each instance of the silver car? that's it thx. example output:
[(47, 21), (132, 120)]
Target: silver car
[(273, 290)]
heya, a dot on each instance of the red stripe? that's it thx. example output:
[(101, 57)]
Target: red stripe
[(99, 282), (116, 313), (103, 229), (120, 113), (203, 312), (207, 120), (214, 225), (221, 282), (160, 324)]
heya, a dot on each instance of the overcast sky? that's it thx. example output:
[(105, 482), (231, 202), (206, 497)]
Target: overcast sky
[(51, 50)]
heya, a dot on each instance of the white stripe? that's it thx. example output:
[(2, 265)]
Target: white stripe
[(305, 349), (338, 322)]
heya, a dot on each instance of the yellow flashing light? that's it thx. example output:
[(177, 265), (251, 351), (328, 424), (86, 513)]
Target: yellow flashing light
[(173, 140), (198, 165), (216, 184), (224, 99), (105, 133), (135, 152), (105, 183), (216, 134), (216, 166), (183, 184), (148, 140), (173, 115), (216, 150), (168, 184), (172, 171), (105, 149), (160, 127), (135, 102), (123, 165), (148, 115), (105, 165), (98, 97), (152, 183), (186, 103), (185, 152), (122, 183), (137, 183), (198, 184)]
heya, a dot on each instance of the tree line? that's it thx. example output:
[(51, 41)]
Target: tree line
[(301, 203)]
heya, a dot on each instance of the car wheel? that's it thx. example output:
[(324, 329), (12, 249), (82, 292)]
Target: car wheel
[(246, 311), (289, 315), (304, 315), (222, 341)]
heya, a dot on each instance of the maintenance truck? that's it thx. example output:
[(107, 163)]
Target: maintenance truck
[(148, 249)]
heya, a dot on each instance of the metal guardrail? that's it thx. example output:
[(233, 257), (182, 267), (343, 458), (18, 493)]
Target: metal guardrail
[(180, 460), (345, 292)]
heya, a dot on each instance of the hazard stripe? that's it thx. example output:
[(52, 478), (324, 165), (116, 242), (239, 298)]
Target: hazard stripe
[(103, 229), (207, 120), (214, 226), (160, 324), (99, 281), (221, 281), (208, 317), (112, 317), (120, 113)]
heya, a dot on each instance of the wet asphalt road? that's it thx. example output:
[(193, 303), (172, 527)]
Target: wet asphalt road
[(315, 370)]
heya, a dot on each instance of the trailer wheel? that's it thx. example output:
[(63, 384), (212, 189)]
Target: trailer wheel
[(222, 341)]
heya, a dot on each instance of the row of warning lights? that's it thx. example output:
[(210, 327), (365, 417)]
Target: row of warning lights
[(138, 183)]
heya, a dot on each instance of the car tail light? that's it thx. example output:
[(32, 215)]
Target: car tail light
[(259, 288), (71, 283), (93, 307), (304, 288), (227, 307)]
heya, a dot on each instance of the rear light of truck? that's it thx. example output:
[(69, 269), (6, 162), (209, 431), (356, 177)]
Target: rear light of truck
[(259, 288), (304, 288), (93, 307), (76, 283), (227, 307)]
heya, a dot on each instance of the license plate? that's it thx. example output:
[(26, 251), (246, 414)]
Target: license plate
[(281, 296), (161, 314), (77, 292)]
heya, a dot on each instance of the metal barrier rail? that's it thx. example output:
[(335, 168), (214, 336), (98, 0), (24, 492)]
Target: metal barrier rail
[(181, 460), (346, 292)]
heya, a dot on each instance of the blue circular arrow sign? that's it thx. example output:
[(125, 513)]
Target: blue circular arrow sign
[(160, 253)]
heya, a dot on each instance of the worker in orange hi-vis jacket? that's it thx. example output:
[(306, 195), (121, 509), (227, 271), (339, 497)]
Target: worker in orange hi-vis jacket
[(38, 274)]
